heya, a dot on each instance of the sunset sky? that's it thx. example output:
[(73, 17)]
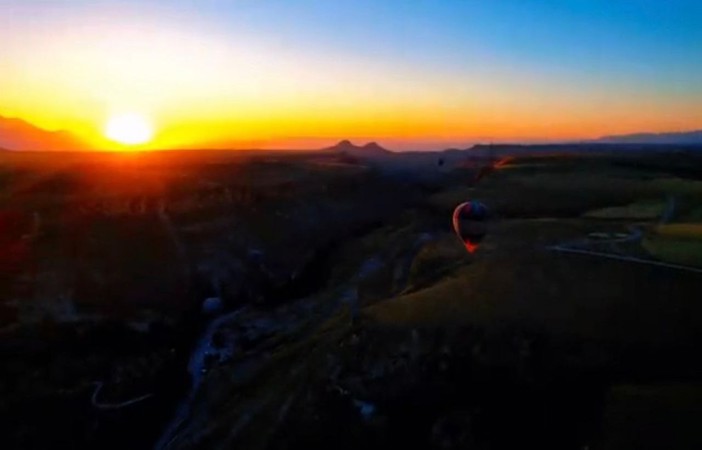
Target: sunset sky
[(410, 74)]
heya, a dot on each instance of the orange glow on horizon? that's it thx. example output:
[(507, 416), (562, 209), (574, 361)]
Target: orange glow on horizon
[(298, 127), (206, 90)]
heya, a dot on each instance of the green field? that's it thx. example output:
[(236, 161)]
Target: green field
[(679, 243), (633, 211)]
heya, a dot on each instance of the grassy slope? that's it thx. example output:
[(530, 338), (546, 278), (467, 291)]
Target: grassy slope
[(558, 294), (512, 280), (633, 211), (679, 243)]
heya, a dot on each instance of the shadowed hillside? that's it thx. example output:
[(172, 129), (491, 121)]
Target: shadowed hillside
[(273, 300)]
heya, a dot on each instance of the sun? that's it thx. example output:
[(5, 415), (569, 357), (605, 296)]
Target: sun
[(129, 129)]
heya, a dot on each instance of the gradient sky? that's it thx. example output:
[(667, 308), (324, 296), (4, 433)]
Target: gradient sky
[(411, 74)]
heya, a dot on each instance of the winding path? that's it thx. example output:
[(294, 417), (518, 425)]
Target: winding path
[(632, 259), (100, 405), (636, 234)]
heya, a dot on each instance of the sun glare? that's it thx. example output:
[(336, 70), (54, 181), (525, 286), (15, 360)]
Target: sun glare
[(129, 129)]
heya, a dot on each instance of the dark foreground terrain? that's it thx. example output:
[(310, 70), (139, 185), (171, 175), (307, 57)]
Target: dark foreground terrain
[(320, 300)]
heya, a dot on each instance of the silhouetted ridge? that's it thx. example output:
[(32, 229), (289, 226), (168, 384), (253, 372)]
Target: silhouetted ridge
[(374, 147), (371, 148), (677, 138), (17, 134)]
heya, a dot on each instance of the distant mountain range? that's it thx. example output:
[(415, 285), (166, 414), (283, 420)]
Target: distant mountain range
[(17, 134), (677, 138), (370, 149)]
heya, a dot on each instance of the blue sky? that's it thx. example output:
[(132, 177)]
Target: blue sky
[(638, 62), (639, 39)]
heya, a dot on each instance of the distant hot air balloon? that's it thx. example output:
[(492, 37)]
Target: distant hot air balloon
[(469, 223)]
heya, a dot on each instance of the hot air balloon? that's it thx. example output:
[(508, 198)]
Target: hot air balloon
[(469, 223)]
